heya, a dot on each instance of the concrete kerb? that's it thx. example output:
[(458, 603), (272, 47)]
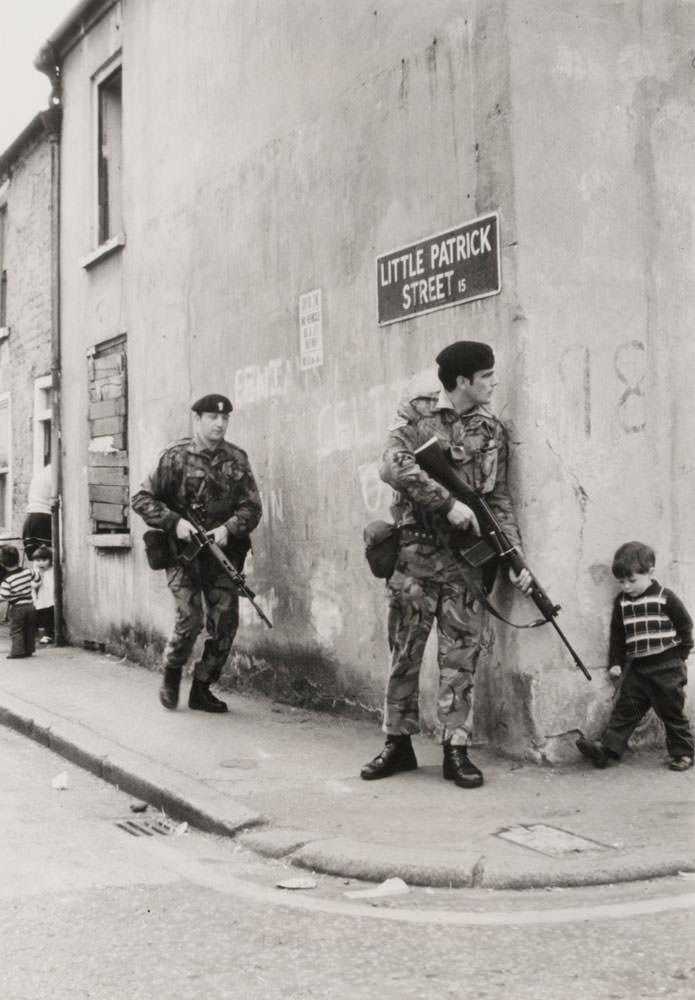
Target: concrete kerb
[(376, 862), (446, 869), (185, 799), (179, 797)]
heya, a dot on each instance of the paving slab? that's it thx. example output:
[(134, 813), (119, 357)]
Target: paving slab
[(285, 782)]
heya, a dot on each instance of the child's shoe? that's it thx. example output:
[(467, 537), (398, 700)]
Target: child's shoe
[(594, 750), (680, 763)]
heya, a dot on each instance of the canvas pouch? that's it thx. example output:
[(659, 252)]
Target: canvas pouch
[(381, 541), (160, 549)]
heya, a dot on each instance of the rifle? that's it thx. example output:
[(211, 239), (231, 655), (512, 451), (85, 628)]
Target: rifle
[(494, 543), (202, 540)]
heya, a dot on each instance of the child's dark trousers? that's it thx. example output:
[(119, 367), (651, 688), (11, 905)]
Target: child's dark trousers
[(22, 630), (657, 685)]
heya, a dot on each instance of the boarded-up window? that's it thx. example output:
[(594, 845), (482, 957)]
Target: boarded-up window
[(108, 437)]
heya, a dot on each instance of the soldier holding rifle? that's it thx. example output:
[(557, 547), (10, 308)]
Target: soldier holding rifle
[(429, 583), (211, 479)]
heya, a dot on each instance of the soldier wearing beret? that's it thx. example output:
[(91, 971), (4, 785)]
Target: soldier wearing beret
[(212, 478), (428, 583)]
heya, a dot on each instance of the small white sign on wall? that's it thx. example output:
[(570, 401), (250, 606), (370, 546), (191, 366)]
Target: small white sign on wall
[(310, 330)]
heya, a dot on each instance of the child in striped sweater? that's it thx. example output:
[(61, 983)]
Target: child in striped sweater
[(16, 590), (651, 635)]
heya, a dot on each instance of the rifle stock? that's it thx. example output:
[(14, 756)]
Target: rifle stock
[(433, 460)]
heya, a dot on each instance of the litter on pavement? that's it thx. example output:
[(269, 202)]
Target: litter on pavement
[(296, 883), (391, 887)]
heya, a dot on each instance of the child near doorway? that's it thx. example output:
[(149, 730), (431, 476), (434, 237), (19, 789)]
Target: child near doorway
[(42, 590), (16, 590)]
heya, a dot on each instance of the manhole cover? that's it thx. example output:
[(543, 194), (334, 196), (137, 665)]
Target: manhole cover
[(549, 840), (143, 827)]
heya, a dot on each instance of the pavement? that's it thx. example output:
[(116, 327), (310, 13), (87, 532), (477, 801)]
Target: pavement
[(284, 782)]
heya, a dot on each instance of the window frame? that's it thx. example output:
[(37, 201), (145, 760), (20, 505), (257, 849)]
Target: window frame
[(43, 415), (113, 238)]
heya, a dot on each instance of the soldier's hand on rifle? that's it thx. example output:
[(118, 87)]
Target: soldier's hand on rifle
[(461, 516), (220, 535), (184, 529), (522, 581)]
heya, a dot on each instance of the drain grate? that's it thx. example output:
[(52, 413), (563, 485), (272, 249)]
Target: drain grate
[(550, 840), (144, 827)]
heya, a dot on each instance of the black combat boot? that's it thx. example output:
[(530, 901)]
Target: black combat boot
[(169, 691), (397, 755), (217, 701), (459, 769), (201, 698)]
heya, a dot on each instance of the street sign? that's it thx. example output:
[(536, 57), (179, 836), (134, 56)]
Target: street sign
[(443, 270)]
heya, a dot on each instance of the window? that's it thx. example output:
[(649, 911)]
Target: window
[(109, 153), (5, 490), (108, 437), (3, 272), (43, 419)]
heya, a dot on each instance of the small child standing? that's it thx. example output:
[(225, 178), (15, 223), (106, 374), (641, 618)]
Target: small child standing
[(16, 590), (651, 635), (42, 589)]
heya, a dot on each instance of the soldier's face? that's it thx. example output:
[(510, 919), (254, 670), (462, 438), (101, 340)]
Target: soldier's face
[(210, 427), (480, 388)]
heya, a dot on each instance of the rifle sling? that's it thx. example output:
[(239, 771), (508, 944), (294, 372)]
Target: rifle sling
[(415, 533), (481, 596)]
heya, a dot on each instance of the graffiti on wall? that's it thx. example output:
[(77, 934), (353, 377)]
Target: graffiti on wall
[(376, 495), (277, 379), (359, 419), (258, 383), (354, 420), (630, 368), (630, 362)]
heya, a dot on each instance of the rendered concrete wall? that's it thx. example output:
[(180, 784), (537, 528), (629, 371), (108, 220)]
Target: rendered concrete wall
[(274, 149), (313, 143), (603, 139), (94, 308)]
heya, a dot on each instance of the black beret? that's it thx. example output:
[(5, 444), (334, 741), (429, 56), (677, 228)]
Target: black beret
[(214, 403), (465, 357)]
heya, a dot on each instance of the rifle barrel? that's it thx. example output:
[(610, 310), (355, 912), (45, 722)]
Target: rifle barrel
[(205, 541), (432, 459), (573, 652)]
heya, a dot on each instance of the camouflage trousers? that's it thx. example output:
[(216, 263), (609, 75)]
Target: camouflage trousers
[(462, 634), (192, 585)]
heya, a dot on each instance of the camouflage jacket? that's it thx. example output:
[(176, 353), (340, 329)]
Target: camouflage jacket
[(218, 486), (476, 443)]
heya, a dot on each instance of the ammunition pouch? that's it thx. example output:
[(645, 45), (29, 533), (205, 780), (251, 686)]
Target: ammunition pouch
[(381, 541), (160, 549)]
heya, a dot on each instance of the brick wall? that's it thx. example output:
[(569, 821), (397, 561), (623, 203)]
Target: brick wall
[(26, 354)]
